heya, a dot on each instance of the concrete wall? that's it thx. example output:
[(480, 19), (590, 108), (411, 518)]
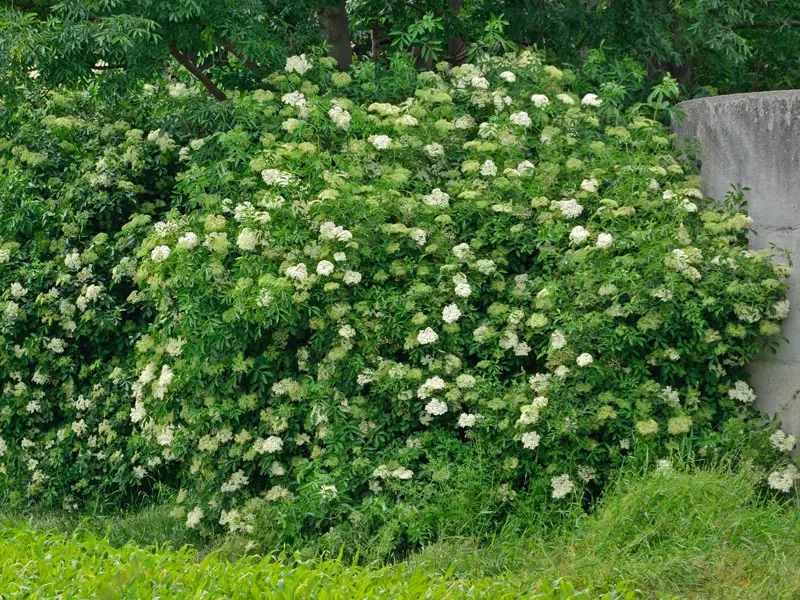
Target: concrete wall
[(754, 140)]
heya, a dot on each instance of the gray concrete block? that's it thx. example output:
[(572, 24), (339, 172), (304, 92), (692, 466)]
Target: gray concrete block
[(753, 140)]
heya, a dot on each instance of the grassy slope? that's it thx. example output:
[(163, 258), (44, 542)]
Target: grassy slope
[(707, 534), (703, 535)]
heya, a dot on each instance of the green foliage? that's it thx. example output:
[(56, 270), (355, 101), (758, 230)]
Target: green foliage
[(423, 34), (126, 42), (492, 41), (322, 316)]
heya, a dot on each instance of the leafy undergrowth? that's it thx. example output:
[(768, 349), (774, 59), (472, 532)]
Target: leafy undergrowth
[(668, 534)]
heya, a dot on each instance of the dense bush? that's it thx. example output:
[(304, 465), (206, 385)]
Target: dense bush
[(311, 319)]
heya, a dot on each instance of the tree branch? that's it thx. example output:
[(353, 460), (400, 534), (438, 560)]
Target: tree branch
[(41, 10), (231, 47), (106, 67), (228, 45), (415, 7), (211, 59), (775, 25), (197, 72)]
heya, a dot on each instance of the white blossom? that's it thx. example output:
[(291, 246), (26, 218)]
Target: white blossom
[(578, 235), (520, 118), (420, 236), (298, 272), (352, 277), (434, 149), (780, 310), (605, 241), (589, 185), (562, 486), (188, 240), (160, 254), (295, 99), (247, 240), (436, 198), (298, 64), (540, 100), (569, 208), (276, 177), (381, 142), (73, 261), (466, 420), (558, 340), (427, 336), (451, 313), (530, 440), (782, 441), (324, 267), (742, 392), (435, 408), (525, 166), (488, 168), (566, 99), (479, 83), (271, 445), (591, 100), (235, 482), (340, 117), (783, 480), (194, 517), (17, 291)]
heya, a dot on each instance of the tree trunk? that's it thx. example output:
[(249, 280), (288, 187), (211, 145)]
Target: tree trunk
[(376, 40), (335, 28), (588, 24), (455, 43)]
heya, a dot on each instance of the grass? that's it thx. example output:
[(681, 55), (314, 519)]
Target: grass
[(700, 534), (39, 564), (704, 534)]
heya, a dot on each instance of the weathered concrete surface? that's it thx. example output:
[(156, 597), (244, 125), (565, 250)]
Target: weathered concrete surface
[(753, 140)]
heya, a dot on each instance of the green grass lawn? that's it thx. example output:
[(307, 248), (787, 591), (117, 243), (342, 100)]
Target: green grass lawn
[(703, 534)]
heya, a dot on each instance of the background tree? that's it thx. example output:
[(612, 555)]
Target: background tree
[(709, 46)]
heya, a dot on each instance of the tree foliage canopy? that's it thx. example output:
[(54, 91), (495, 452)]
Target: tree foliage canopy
[(709, 46)]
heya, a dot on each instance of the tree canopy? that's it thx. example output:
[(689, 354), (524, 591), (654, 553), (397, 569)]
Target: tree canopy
[(709, 46)]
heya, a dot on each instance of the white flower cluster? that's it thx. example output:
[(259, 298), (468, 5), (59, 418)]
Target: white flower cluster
[(520, 118), (276, 177), (782, 441), (742, 392), (783, 480), (569, 208), (427, 336), (562, 486), (451, 313), (340, 116), (436, 198), (298, 64), (436, 407), (381, 142), (540, 100)]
